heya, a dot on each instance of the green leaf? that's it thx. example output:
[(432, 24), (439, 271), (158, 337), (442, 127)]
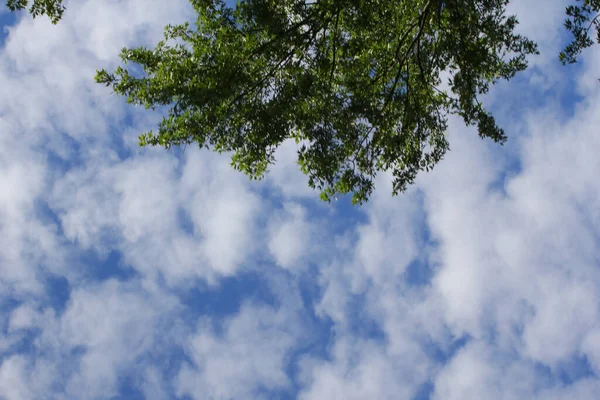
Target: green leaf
[(53, 9), (583, 17), (356, 82)]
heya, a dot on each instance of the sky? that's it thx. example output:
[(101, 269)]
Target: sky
[(129, 273)]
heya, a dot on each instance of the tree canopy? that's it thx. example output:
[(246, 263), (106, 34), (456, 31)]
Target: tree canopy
[(357, 84), (53, 9), (582, 17)]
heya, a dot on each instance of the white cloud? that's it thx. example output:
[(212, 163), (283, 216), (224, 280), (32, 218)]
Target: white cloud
[(134, 205), (250, 355), (223, 209), (25, 241), (362, 369), (285, 175), (13, 384), (114, 325), (476, 372), (153, 385), (104, 333), (544, 26), (290, 236)]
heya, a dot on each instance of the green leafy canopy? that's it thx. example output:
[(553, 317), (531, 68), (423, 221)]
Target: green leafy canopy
[(582, 17), (53, 9), (355, 83)]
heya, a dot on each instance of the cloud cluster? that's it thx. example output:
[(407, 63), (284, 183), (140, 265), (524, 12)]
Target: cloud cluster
[(129, 273)]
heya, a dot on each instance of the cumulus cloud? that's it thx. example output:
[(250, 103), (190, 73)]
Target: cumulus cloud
[(363, 369), (250, 355), (247, 355), (290, 236), (104, 334)]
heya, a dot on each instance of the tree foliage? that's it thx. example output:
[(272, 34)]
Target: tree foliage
[(582, 17), (355, 83), (53, 9)]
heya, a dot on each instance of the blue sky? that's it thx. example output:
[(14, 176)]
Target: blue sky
[(130, 273)]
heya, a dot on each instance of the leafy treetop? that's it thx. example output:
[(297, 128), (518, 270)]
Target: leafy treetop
[(582, 17), (53, 9), (354, 83)]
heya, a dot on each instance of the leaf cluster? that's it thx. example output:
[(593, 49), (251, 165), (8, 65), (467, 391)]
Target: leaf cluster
[(355, 83), (582, 17), (53, 9)]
